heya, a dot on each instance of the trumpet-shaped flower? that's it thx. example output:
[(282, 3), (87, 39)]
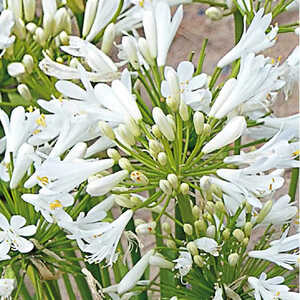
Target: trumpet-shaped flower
[(104, 242), (254, 39), (12, 235), (6, 24), (192, 90), (183, 263), (276, 253), (231, 132)]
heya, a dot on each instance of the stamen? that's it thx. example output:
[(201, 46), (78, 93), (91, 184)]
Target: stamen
[(41, 120), (55, 204), (44, 180)]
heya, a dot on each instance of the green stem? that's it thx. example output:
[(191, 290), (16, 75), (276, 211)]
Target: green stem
[(185, 209), (294, 184)]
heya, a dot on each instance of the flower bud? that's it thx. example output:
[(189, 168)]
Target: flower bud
[(210, 207), (106, 130), (219, 207), (165, 186), (74, 63), (172, 121), (136, 201), (124, 135), (89, 16), (216, 190), (198, 120), (166, 227), (108, 38), (192, 248), (206, 130), (24, 91), (264, 211), (59, 59), (64, 38), (163, 124), (174, 88), (196, 212), (233, 259), (62, 21), (162, 158), (124, 201), (114, 154), (139, 177), (211, 231), (15, 6), (188, 229), (159, 261), (145, 50), (226, 234), (145, 228), (19, 29), (183, 111), (198, 260), (131, 51), (48, 25), (28, 63), (29, 9), (16, 69), (245, 241), (171, 244), (40, 36), (155, 146), (200, 227), (31, 27), (171, 102), (238, 234), (125, 164), (214, 13), (150, 32), (248, 228), (184, 188), (173, 179), (156, 132)]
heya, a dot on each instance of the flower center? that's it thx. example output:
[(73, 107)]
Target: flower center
[(55, 204), (44, 180), (41, 120)]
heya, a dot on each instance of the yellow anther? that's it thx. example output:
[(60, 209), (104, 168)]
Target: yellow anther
[(44, 180), (277, 294), (270, 187), (55, 204), (60, 98), (141, 3), (273, 180), (279, 58), (273, 61), (30, 108), (36, 131), (41, 120), (296, 153)]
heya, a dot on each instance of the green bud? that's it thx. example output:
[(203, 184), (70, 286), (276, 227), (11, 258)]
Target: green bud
[(156, 132), (219, 206), (125, 164), (216, 190), (171, 244), (166, 227), (162, 158), (245, 241), (113, 154), (206, 130), (165, 186), (210, 207), (248, 228), (192, 248), (136, 201), (173, 179), (200, 227), (211, 231), (238, 234), (106, 130), (155, 146), (188, 229), (184, 188), (198, 120), (233, 259), (198, 261), (196, 211), (133, 127), (226, 234), (248, 208), (124, 201), (183, 111), (264, 211), (214, 13)]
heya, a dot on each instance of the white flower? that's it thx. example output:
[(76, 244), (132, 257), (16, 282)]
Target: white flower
[(6, 287), (231, 132), (49, 203), (272, 288), (158, 260), (163, 123), (208, 245), (218, 293), (192, 90), (101, 186), (183, 263), (134, 275), (253, 40), (276, 252), (105, 241), (64, 176), (278, 152), (256, 79), (6, 24), (12, 233)]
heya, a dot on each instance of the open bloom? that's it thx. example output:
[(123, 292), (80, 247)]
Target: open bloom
[(6, 287), (183, 263), (207, 245), (6, 24), (11, 236), (253, 40), (276, 253)]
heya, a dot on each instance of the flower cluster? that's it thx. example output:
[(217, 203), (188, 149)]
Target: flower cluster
[(100, 154)]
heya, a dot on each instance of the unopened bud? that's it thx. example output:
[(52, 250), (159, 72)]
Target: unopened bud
[(162, 158), (114, 154), (131, 51), (184, 188), (238, 234), (198, 260), (171, 102), (64, 38), (16, 69), (163, 124), (106, 130), (159, 261), (206, 129), (171, 121), (155, 146), (48, 25), (245, 241), (211, 231), (144, 48), (171, 244), (24, 91), (136, 201), (108, 38), (174, 88), (214, 13), (210, 207), (156, 132), (264, 211), (233, 259), (196, 211), (31, 27), (124, 201), (133, 127), (19, 29), (166, 227), (139, 177), (198, 120), (216, 190), (29, 9), (145, 228), (28, 63), (165, 186), (219, 206), (183, 111), (226, 234), (62, 21), (173, 179), (125, 164), (248, 228), (188, 229), (40, 36), (192, 248), (200, 226), (124, 135)]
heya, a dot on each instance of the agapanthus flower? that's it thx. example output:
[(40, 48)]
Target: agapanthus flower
[(183, 263), (6, 24), (7, 286)]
